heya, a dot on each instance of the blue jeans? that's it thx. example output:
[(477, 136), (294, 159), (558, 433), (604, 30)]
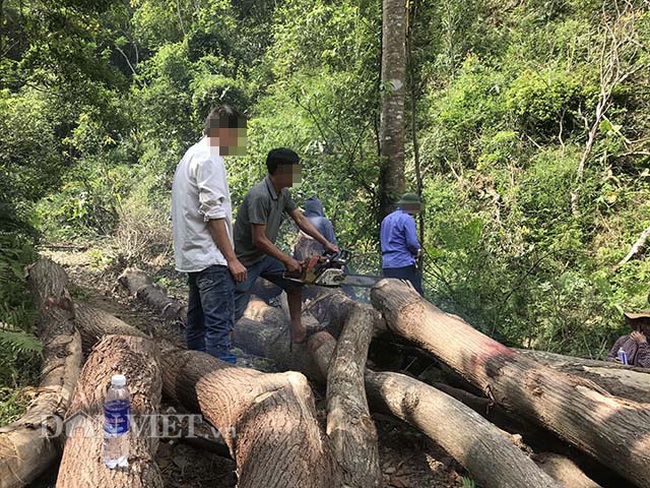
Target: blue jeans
[(210, 312), (408, 273), (268, 268)]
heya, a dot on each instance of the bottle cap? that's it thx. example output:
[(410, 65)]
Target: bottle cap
[(118, 380)]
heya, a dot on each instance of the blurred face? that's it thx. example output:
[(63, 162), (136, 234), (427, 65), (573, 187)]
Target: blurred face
[(410, 208), (288, 175), (643, 326), (230, 140)]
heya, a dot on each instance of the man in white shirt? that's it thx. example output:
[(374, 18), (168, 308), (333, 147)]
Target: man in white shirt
[(203, 238)]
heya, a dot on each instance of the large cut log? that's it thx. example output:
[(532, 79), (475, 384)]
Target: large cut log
[(142, 287), (349, 424), (474, 442), (563, 470), (267, 420), (331, 307), (622, 381), (82, 464), (264, 331), (613, 430), (26, 446)]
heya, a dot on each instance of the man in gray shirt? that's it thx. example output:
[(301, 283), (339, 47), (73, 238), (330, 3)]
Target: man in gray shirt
[(256, 230)]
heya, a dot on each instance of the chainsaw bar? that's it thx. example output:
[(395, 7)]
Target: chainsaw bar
[(363, 281)]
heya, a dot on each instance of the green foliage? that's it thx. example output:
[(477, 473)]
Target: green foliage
[(19, 348), (523, 223)]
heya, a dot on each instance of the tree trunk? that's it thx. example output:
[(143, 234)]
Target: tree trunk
[(622, 381), (331, 307), (268, 420), (615, 431), (391, 128), (483, 449), (26, 446), (349, 425), (563, 470), (475, 443), (142, 286), (82, 464)]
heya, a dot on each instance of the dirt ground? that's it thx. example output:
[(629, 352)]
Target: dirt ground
[(408, 458)]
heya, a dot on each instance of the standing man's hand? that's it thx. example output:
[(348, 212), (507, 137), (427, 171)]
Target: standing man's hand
[(332, 248), (293, 266), (639, 337), (237, 270)]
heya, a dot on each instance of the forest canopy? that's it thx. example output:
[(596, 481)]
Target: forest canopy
[(530, 122)]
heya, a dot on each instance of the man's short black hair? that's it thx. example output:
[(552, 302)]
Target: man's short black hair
[(223, 116), (280, 157)]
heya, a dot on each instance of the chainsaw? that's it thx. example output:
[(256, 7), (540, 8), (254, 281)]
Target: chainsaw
[(330, 270)]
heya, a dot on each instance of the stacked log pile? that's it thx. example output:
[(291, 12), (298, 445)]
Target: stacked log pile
[(599, 410)]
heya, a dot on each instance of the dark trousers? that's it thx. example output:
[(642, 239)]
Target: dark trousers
[(408, 273), (210, 312)]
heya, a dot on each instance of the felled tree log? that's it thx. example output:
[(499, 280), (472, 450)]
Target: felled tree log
[(563, 470), (26, 446), (267, 420), (264, 331), (622, 381), (331, 307), (82, 464), (614, 431), (142, 286), (474, 442), (349, 425)]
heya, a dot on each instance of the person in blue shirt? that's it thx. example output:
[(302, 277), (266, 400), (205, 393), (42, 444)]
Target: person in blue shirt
[(400, 248)]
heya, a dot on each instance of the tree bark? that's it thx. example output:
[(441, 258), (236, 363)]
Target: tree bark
[(331, 307), (391, 128), (483, 449), (563, 470), (614, 431), (142, 286), (82, 464), (349, 425), (475, 443), (268, 420), (27, 447), (622, 381)]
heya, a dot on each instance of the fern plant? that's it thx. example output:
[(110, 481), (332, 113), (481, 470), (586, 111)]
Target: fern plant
[(19, 347)]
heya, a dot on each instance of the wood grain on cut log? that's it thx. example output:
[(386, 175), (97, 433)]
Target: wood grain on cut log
[(349, 425), (613, 430), (268, 420), (142, 286), (82, 464), (482, 448), (622, 381), (26, 446)]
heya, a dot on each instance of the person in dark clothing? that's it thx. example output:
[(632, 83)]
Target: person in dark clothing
[(635, 345), (314, 212)]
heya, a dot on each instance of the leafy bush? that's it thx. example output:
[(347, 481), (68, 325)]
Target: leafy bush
[(88, 202), (19, 348)]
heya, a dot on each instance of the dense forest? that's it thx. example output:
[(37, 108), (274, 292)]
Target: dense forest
[(527, 135)]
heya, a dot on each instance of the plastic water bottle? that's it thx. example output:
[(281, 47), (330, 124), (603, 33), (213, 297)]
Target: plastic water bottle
[(622, 356), (117, 410)]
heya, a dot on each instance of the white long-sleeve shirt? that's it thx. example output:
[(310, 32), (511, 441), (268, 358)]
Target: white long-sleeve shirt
[(199, 193)]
